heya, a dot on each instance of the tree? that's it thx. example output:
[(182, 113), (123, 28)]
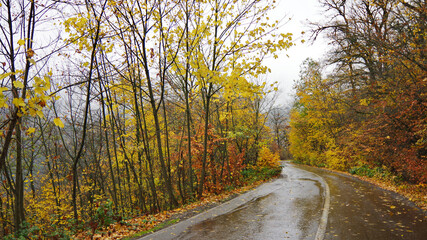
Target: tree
[(136, 107), (279, 121), (22, 89), (377, 86)]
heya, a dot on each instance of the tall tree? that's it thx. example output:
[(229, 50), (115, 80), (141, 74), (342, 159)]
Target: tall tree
[(22, 90)]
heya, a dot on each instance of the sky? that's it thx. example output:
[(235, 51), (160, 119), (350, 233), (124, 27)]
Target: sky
[(286, 69)]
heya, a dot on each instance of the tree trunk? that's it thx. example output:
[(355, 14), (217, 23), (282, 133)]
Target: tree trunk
[(19, 182), (205, 146)]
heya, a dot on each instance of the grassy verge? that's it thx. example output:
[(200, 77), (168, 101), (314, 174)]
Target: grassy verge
[(385, 179), (160, 226), (416, 193), (252, 175)]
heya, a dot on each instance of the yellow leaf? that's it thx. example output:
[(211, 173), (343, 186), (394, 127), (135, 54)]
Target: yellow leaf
[(3, 104), (18, 84), (58, 122), (38, 90), (40, 114), (392, 207), (18, 102), (21, 42), (2, 89), (31, 130), (364, 102), (5, 75), (32, 61)]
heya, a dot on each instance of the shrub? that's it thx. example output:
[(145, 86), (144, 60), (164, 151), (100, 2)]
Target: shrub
[(267, 158)]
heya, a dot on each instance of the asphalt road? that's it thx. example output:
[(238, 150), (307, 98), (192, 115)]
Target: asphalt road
[(360, 210), (307, 203)]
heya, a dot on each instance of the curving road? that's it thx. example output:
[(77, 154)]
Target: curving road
[(307, 203)]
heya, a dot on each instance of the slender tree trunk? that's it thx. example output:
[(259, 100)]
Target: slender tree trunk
[(146, 141), (107, 143), (167, 141), (155, 111), (205, 144), (187, 104), (95, 42), (19, 182)]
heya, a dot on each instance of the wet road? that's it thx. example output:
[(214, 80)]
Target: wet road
[(306, 203), (360, 210)]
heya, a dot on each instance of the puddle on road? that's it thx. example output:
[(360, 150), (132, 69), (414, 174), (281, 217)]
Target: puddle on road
[(311, 208)]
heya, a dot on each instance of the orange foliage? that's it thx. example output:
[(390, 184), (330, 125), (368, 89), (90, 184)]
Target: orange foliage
[(224, 163)]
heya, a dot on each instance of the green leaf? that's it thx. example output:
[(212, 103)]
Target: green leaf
[(32, 61)]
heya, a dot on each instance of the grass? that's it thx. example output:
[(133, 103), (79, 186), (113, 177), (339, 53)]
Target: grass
[(160, 226), (252, 175), (385, 179)]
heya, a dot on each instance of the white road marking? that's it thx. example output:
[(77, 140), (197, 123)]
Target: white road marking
[(320, 235)]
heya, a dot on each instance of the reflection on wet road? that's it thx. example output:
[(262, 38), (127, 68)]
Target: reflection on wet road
[(282, 214), (287, 208), (291, 207)]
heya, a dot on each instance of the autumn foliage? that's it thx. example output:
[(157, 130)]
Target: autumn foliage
[(371, 111), (267, 158), (111, 110)]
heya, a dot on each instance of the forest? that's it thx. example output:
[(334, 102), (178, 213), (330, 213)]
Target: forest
[(125, 108), (368, 114), (113, 109)]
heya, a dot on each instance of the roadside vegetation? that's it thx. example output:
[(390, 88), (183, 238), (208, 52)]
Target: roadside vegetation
[(367, 116), (142, 225), (111, 110)]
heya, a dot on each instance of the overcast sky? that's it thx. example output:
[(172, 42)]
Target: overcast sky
[(286, 69)]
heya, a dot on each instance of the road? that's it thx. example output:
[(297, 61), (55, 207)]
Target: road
[(306, 203)]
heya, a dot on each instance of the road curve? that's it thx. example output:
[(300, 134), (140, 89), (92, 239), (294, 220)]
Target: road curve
[(360, 210), (306, 203)]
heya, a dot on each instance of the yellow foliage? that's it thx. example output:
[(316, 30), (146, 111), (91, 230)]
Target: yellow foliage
[(58, 122), (268, 158), (49, 206), (335, 159)]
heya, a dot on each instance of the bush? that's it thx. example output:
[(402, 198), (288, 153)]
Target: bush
[(363, 170), (26, 232), (335, 159), (267, 158), (377, 172), (104, 216)]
